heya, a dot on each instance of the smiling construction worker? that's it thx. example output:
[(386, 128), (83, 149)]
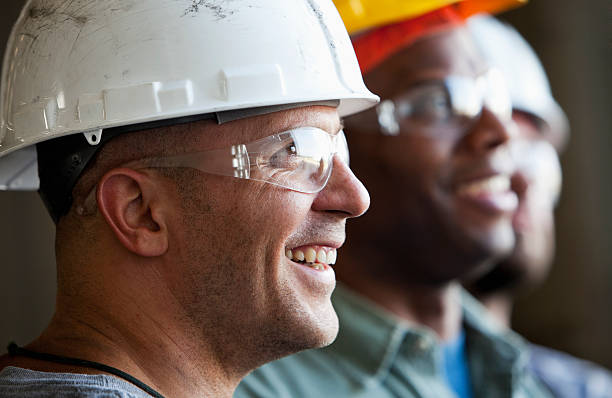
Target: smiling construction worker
[(192, 158)]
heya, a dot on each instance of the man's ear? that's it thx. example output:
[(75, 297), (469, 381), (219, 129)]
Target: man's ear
[(132, 207)]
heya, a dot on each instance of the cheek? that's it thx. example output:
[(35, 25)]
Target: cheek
[(418, 163), (263, 218), (219, 216), (275, 215), (272, 210), (541, 212)]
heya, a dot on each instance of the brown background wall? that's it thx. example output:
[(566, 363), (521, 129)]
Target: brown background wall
[(572, 311)]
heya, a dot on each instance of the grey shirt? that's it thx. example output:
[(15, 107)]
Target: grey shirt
[(18, 382)]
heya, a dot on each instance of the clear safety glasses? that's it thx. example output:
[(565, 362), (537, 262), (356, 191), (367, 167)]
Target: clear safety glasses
[(446, 105), (300, 159)]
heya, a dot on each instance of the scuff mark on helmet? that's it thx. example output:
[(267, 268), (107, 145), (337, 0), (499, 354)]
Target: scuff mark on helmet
[(316, 9), (47, 12), (216, 7)]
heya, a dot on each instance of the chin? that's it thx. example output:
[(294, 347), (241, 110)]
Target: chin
[(532, 257), (496, 242), (301, 328), (322, 328), (328, 331)]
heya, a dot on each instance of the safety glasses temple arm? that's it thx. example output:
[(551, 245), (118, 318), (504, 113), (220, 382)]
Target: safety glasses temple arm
[(232, 162)]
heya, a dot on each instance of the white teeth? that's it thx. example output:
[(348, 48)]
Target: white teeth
[(310, 255), (331, 257), (496, 184), (321, 256)]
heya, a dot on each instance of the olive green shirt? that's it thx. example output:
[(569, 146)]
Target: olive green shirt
[(377, 355)]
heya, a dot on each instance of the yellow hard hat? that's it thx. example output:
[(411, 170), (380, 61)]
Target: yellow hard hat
[(364, 14)]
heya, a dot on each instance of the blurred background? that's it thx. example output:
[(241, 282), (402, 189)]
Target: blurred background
[(571, 312)]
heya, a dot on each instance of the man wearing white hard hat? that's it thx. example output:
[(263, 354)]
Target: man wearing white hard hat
[(542, 133), (192, 158)]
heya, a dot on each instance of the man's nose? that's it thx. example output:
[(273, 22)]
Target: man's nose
[(344, 193), (489, 132)]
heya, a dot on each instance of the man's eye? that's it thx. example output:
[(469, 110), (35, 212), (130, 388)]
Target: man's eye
[(426, 104), (434, 107), (284, 158)]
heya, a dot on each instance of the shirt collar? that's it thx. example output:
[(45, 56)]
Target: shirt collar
[(505, 348), (371, 337)]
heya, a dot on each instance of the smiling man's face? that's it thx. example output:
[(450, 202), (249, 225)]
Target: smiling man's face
[(537, 182), (233, 238), (442, 203)]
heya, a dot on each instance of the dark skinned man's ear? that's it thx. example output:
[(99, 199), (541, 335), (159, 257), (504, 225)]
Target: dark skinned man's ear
[(129, 202)]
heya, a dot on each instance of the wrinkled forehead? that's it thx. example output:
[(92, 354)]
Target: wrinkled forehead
[(436, 56)]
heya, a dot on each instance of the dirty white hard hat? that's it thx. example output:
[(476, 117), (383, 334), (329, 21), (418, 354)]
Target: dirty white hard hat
[(84, 66), (504, 48)]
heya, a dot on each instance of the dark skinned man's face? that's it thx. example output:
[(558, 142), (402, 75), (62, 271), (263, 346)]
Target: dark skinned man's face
[(441, 199)]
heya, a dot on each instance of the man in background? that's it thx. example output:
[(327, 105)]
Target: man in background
[(542, 134)]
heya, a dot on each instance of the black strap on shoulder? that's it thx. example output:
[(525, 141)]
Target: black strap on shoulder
[(15, 350)]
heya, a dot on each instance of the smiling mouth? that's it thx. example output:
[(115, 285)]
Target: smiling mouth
[(315, 257), (485, 186), (494, 193)]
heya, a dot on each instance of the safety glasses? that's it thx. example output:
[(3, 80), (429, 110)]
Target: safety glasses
[(452, 104), (300, 159)]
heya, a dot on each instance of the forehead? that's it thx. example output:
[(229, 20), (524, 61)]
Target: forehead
[(212, 135), (451, 52)]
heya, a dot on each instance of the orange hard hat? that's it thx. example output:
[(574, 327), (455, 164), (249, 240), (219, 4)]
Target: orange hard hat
[(364, 14)]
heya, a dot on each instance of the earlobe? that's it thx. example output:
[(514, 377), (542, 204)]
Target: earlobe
[(128, 201)]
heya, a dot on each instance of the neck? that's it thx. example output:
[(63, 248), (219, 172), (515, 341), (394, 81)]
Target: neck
[(124, 334), (436, 307), (500, 305)]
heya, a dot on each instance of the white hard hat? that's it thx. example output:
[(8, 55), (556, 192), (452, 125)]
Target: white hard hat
[(504, 48), (76, 66)]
